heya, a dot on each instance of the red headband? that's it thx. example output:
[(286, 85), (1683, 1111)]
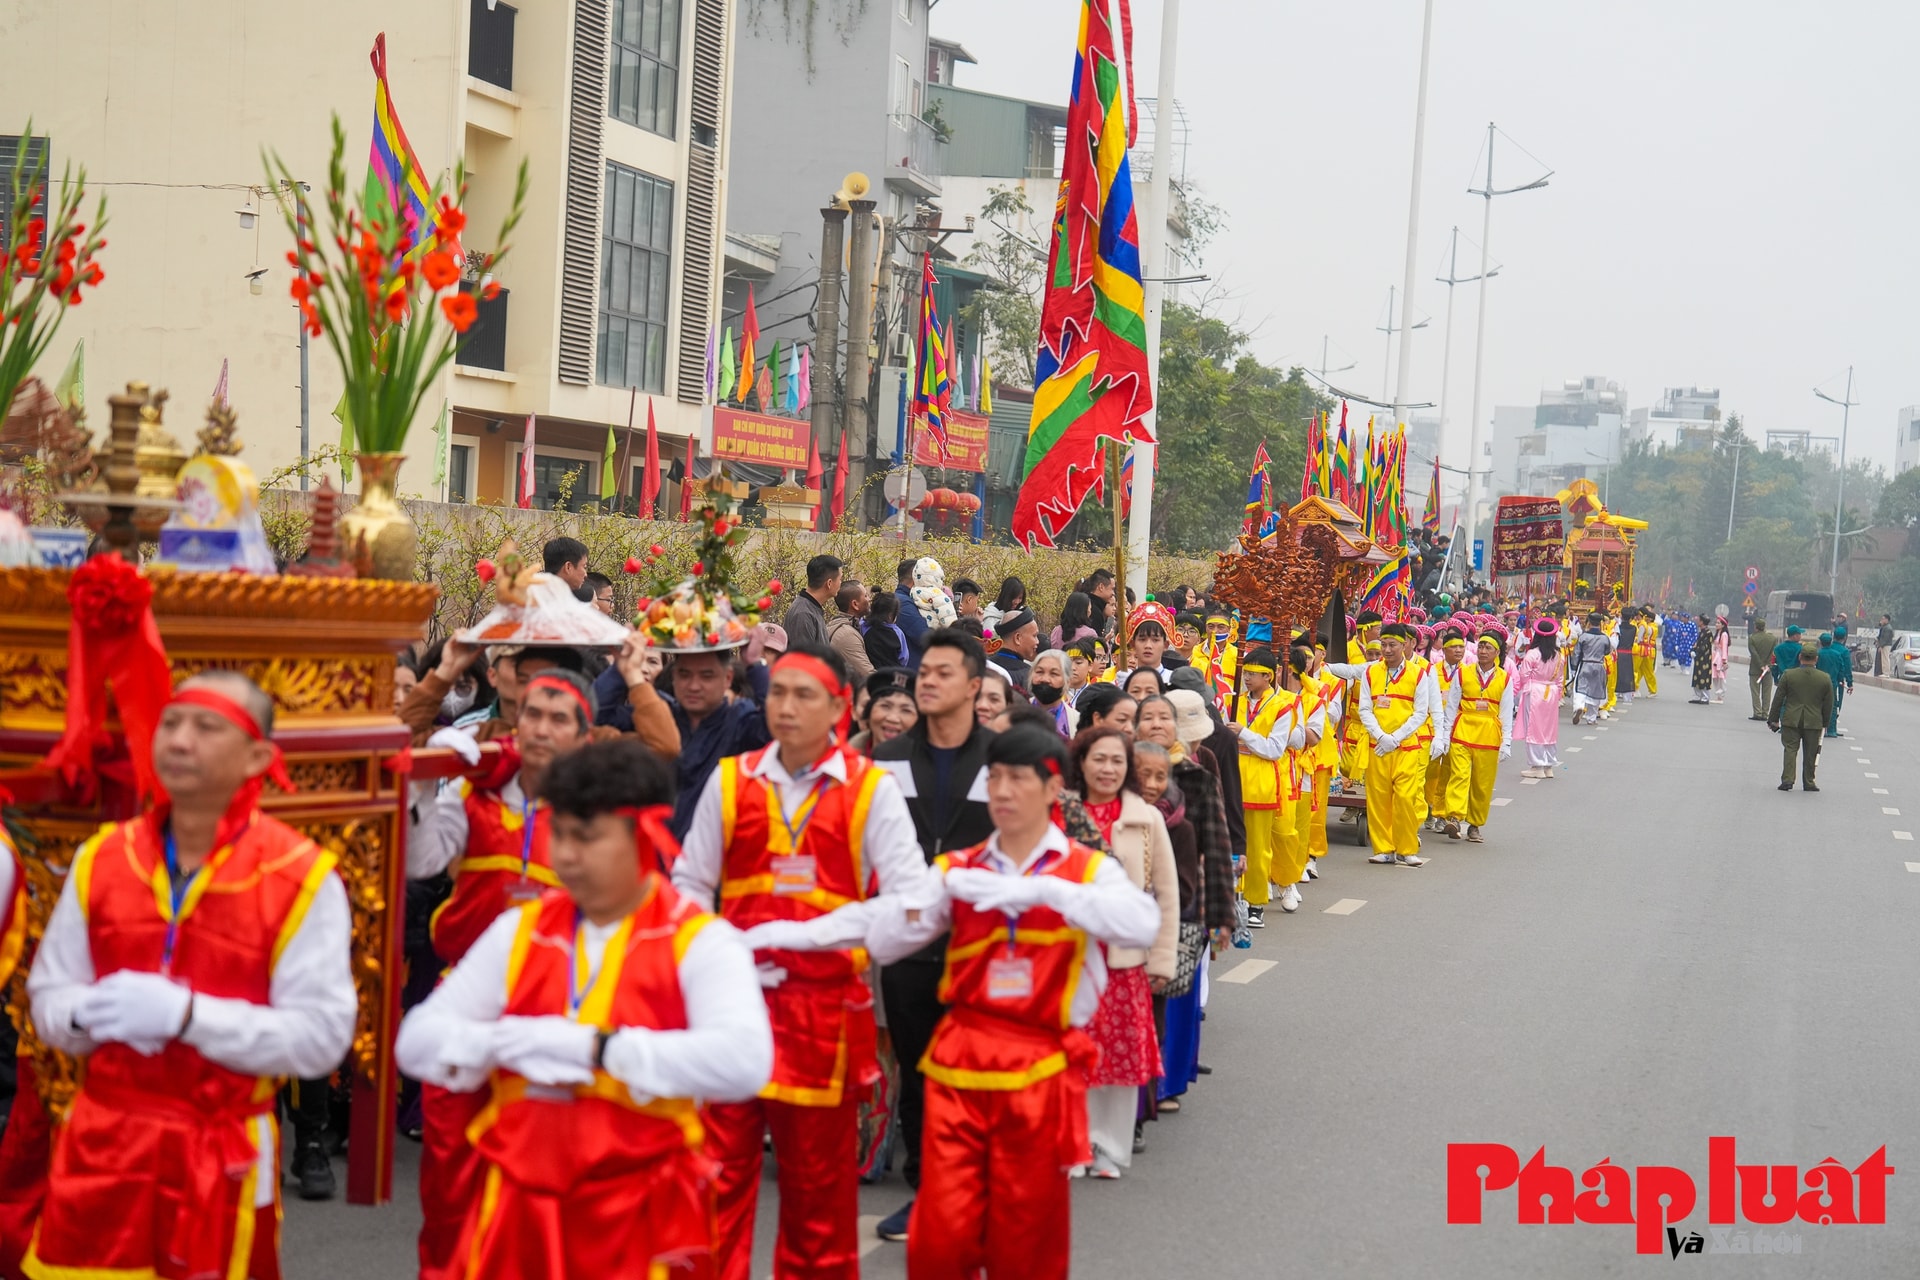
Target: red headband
[(561, 686), (236, 715), (650, 824), (807, 664)]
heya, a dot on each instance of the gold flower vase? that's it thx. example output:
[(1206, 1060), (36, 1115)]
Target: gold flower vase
[(379, 536)]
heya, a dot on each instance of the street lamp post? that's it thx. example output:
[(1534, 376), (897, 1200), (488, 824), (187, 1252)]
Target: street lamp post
[(1840, 485), (1734, 495), (1413, 227), (1478, 437), (1399, 401), (1452, 278)]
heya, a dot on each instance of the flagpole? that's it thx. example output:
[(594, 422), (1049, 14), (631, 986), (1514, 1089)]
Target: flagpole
[(1413, 227), (1154, 269), (1120, 545), (626, 452)]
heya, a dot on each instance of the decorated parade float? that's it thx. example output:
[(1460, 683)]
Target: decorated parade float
[(1598, 551), (130, 563)]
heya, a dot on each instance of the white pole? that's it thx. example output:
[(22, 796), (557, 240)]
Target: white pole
[(1840, 489), (1413, 228), (1446, 345), (1153, 266), (1478, 436)]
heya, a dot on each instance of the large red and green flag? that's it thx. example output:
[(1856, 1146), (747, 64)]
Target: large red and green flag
[(933, 392), (395, 180), (1091, 375), (1310, 467), (1258, 490)]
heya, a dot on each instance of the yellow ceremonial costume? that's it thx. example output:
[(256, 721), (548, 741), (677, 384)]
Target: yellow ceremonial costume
[(1396, 780), (1478, 734), (1646, 656), (1444, 680), (1356, 748), (1290, 851), (1326, 758), (1266, 791)]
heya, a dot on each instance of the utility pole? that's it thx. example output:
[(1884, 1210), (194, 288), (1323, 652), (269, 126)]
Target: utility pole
[(860, 260), (1153, 289), (1452, 278), (1387, 363), (1478, 447), (1735, 494), (826, 328), (1413, 228), (1840, 486)]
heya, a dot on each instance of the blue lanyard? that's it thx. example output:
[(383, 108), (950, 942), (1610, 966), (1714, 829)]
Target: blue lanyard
[(526, 835), (809, 804), (576, 989), (1040, 864), (177, 891)]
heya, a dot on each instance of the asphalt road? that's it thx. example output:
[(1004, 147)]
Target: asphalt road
[(1654, 948)]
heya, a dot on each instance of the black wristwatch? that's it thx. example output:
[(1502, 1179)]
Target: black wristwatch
[(600, 1039)]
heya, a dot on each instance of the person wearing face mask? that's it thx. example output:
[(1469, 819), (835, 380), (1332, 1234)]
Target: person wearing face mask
[(1049, 686)]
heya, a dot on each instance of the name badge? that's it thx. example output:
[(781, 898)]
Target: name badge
[(793, 874), (1479, 704), (525, 891), (1010, 978)]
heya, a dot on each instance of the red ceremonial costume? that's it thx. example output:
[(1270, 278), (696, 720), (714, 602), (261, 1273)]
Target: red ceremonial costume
[(27, 1144), (781, 867), (157, 1167), (1006, 1108), (503, 863), (586, 1181)]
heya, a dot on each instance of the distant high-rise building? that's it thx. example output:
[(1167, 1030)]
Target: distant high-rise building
[(1574, 431), (1906, 439), (1683, 418)]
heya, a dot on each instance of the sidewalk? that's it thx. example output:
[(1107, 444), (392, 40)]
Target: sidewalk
[(1909, 687)]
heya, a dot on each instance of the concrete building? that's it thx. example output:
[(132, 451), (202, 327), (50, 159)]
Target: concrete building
[(618, 107), (1683, 418), (1574, 431), (1906, 439)]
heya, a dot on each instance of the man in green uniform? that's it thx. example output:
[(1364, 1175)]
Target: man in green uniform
[(1760, 642), (1837, 662), (1801, 706)]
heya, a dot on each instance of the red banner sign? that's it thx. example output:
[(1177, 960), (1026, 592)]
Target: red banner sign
[(966, 444), (761, 438)]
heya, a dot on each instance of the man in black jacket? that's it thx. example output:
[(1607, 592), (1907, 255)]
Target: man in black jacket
[(941, 766)]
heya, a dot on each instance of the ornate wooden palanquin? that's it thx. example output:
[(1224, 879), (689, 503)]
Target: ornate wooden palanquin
[(324, 649)]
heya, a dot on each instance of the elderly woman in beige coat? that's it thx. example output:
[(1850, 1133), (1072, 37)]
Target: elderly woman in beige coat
[(1136, 836)]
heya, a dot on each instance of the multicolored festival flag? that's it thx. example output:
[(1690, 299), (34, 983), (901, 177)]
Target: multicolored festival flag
[(1343, 462), (933, 392), (1091, 382), (1430, 518), (1311, 466), (1259, 490), (749, 364), (394, 177)]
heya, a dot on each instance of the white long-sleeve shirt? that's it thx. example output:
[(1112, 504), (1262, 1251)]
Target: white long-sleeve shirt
[(1444, 699), (304, 1030), (1422, 711), (1289, 730), (437, 830), (1111, 908), (724, 1055), (890, 847)]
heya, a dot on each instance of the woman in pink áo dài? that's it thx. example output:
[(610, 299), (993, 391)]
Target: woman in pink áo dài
[(1540, 676)]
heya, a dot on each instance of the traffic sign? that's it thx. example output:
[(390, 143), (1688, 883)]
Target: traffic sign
[(1753, 574), (1480, 553), (1752, 586)]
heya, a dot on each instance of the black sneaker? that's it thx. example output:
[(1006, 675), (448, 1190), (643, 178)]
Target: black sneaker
[(894, 1226), (313, 1172), (1256, 917)]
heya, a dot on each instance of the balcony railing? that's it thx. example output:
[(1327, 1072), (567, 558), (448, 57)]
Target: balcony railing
[(917, 151), (490, 43), (485, 346)]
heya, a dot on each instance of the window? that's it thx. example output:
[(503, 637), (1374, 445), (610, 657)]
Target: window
[(635, 264), (902, 81), (34, 170), (643, 64), (460, 473), (906, 9), (550, 472)]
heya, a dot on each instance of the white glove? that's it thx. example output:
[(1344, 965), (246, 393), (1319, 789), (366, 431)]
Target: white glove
[(1438, 749), (991, 891), (779, 935), (1505, 752), (771, 975), (549, 1050), (458, 741), (141, 1010)]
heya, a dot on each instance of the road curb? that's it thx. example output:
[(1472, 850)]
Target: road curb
[(1908, 687)]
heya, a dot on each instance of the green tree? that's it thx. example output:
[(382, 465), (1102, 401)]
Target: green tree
[(1899, 502), (1006, 313)]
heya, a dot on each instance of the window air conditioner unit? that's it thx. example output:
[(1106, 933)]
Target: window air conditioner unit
[(900, 345)]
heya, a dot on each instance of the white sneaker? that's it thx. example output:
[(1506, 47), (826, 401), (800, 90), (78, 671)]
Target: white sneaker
[(1313, 868), (1290, 899), (1383, 859)]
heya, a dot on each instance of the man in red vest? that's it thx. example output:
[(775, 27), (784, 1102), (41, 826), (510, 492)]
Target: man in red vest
[(787, 841), (196, 954), (1006, 1107), (493, 833), (588, 1022)]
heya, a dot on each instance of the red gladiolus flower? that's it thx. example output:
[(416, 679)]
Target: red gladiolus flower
[(774, 588), (460, 309), (720, 528), (491, 291), (396, 307), (656, 550), (698, 568), (765, 604), (485, 570), (633, 565), (439, 271)]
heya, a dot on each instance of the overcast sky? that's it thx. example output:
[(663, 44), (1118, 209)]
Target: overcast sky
[(1733, 201)]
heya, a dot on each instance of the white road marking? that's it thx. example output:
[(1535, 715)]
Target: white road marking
[(1914, 867), (1853, 746), (1862, 760), (1903, 835), (1890, 812), (1345, 907), (1528, 782), (1589, 737), (869, 1241), (1497, 801), (1576, 748), (1247, 970), (1880, 791), (1869, 775)]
